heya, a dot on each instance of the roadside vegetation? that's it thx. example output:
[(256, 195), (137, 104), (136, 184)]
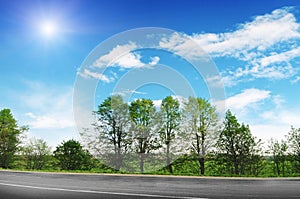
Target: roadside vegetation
[(187, 138)]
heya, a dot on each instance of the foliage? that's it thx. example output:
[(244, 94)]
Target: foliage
[(142, 113), (293, 139), (36, 153), (170, 116), (10, 134), (237, 145), (72, 156), (278, 151), (202, 119), (112, 131)]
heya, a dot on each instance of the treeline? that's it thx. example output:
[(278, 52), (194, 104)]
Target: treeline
[(185, 138)]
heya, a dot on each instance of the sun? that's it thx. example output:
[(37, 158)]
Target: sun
[(48, 28)]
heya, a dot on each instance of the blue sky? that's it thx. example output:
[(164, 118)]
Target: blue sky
[(255, 46)]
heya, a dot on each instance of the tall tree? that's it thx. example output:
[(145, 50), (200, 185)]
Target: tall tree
[(170, 118), (236, 143), (9, 137), (112, 127), (72, 156), (142, 113), (294, 146), (36, 152), (278, 150), (201, 118)]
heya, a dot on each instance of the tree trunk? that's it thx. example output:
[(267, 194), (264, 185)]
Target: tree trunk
[(4, 162), (202, 158), (202, 168), (169, 159), (236, 165), (142, 162)]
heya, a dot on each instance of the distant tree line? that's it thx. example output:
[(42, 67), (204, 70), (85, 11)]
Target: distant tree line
[(181, 138)]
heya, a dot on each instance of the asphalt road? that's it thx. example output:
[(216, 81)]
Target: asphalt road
[(15, 185)]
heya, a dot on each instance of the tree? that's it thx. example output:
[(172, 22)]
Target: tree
[(72, 156), (112, 127), (201, 118), (293, 139), (237, 144), (170, 118), (278, 151), (9, 137), (36, 152), (142, 113)]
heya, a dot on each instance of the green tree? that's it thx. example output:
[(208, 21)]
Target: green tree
[(36, 153), (293, 139), (72, 156), (112, 130), (170, 118), (237, 144), (278, 150), (142, 113), (10, 134), (202, 120)]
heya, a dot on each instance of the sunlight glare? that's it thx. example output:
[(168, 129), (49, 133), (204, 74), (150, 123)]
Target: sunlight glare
[(48, 29)]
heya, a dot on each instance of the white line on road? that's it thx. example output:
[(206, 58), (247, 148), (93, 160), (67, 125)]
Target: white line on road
[(95, 192)]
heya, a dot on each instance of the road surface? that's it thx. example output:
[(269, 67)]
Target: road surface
[(15, 185)]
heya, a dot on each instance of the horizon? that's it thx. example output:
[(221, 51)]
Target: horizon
[(255, 46)]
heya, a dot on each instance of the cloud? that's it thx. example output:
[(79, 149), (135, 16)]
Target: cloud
[(183, 45), (48, 121), (259, 34), (89, 74), (50, 106), (154, 61), (247, 98), (297, 79), (267, 45), (128, 92), (117, 52), (123, 57)]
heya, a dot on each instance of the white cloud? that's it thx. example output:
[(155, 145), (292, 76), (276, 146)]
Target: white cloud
[(297, 79), (48, 121), (128, 92), (259, 43), (216, 81), (50, 107), (280, 57), (117, 52), (268, 131), (154, 61), (261, 33), (183, 45), (249, 97), (87, 73), (157, 103), (123, 57)]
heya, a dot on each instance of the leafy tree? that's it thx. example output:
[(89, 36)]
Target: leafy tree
[(9, 137), (36, 153), (237, 144), (142, 113), (170, 118), (278, 151), (72, 156), (112, 127), (201, 119), (294, 145)]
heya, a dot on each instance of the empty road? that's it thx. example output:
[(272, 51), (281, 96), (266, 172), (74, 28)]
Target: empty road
[(14, 185)]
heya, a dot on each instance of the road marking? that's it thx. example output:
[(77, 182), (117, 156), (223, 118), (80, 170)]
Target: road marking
[(96, 192)]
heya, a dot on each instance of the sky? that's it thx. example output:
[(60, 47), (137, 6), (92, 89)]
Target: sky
[(51, 51)]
